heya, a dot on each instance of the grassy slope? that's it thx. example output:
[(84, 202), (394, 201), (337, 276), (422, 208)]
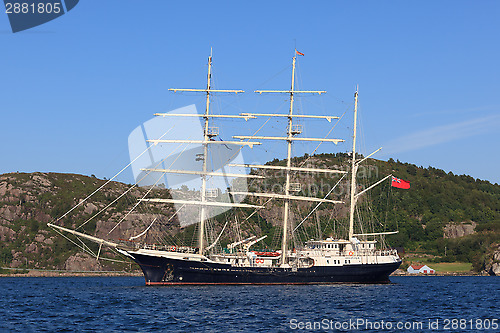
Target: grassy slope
[(435, 199)]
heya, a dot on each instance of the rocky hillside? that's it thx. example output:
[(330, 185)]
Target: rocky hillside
[(29, 201), (451, 217)]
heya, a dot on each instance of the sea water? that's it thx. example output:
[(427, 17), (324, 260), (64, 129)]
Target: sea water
[(121, 304)]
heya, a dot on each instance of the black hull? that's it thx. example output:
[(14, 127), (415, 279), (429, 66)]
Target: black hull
[(165, 271)]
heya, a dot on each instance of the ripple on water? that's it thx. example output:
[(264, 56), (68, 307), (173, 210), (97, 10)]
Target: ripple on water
[(117, 304)]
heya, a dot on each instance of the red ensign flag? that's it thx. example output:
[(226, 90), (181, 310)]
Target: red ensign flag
[(299, 53), (400, 183)]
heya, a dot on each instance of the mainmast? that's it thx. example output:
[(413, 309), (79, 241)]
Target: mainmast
[(354, 169), (291, 132), (288, 165)]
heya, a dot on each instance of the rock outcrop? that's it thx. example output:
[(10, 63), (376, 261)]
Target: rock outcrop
[(6, 234), (493, 264), (456, 230), (82, 262)]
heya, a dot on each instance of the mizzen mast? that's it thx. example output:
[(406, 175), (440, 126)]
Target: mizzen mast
[(354, 169)]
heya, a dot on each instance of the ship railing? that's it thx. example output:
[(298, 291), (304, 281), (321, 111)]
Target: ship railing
[(387, 252), (369, 252), (169, 248)]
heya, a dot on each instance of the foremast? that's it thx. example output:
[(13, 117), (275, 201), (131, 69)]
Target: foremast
[(207, 136), (201, 243), (207, 140)]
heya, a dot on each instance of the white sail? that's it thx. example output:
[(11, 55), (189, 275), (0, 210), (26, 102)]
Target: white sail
[(176, 160)]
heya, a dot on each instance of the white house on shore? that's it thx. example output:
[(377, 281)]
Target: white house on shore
[(420, 269)]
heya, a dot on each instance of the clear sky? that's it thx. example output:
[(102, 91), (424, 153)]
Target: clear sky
[(428, 71)]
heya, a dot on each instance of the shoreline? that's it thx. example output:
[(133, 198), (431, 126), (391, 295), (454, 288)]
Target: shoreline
[(443, 274), (404, 273), (62, 273)]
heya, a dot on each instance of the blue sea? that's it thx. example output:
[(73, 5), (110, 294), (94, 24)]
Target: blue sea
[(124, 304)]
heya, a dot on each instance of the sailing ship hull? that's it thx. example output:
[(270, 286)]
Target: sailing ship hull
[(167, 271)]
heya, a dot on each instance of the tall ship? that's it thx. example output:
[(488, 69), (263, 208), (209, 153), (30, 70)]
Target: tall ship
[(355, 257)]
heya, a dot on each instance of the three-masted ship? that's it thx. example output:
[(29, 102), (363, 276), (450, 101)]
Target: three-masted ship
[(352, 259)]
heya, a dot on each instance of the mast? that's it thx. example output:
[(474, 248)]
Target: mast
[(288, 165), (205, 142), (208, 135), (354, 169), (291, 132), (201, 244)]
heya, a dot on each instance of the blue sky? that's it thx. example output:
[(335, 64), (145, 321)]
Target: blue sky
[(428, 71)]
